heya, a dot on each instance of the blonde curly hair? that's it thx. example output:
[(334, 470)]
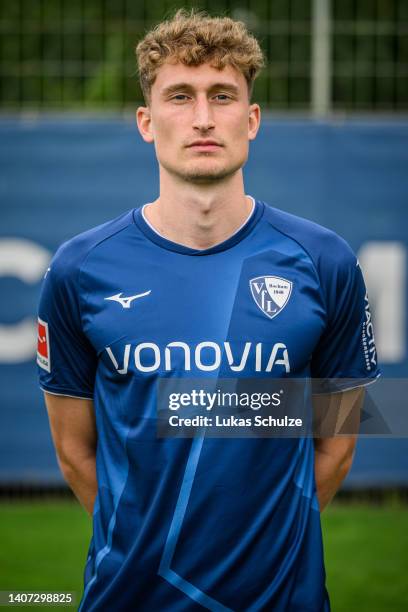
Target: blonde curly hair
[(194, 38)]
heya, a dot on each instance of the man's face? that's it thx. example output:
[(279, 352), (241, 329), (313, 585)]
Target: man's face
[(200, 121)]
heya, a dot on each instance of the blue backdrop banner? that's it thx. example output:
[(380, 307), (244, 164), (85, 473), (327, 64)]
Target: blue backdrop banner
[(62, 176)]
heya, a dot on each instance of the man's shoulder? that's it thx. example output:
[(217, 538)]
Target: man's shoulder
[(323, 245), (72, 253)]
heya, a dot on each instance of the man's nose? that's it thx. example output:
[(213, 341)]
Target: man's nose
[(203, 118)]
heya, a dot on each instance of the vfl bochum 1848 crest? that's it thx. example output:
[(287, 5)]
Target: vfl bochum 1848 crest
[(271, 293)]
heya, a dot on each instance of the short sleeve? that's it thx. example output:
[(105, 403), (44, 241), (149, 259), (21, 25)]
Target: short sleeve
[(66, 359), (345, 355)]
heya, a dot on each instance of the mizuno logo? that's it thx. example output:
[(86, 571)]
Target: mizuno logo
[(126, 302)]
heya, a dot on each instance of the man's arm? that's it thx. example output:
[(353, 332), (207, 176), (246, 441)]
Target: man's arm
[(335, 413), (72, 423)]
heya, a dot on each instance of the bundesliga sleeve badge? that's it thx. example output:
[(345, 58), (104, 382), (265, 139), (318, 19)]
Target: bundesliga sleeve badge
[(43, 346)]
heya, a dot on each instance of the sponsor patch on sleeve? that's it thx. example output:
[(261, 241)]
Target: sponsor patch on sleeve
[(43, 346)]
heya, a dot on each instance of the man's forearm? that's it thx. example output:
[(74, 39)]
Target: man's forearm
[(81, 478), (330, 471), (337, 413)]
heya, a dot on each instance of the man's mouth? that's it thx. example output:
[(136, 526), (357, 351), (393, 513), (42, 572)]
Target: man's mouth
[(205, 145)]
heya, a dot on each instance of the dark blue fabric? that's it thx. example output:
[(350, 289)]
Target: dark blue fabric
[(63, 175)]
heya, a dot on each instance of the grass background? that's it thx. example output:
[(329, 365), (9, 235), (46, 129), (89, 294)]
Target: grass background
[(43, 546)]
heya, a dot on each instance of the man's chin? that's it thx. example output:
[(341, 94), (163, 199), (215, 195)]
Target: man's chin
[(207, 175), (201, 179)]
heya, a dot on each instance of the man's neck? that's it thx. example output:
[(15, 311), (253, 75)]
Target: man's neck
[(199, 217)]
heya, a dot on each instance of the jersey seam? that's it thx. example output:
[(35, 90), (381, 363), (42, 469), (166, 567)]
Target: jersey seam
[(360, 382), (85, 297), (305, 250), (66, 392)]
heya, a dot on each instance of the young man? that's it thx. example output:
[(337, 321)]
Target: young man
[(204, 282)]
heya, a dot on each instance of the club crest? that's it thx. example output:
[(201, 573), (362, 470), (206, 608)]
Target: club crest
[(271, 293)]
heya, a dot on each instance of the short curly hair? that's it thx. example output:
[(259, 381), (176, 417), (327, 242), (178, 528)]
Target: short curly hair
[(195, 38)]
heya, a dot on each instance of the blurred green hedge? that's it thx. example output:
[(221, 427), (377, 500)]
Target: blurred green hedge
[(79, 54)]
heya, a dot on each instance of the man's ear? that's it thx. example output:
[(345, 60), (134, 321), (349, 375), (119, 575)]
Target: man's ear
[(254, 121), (144, 123)]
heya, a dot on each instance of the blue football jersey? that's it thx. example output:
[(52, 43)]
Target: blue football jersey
[(184, 524)]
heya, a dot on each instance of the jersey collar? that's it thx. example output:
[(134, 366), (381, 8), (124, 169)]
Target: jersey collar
[(236, 237)]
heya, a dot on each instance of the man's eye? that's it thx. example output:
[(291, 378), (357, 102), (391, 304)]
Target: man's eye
[(179, 97), (223, 97)]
